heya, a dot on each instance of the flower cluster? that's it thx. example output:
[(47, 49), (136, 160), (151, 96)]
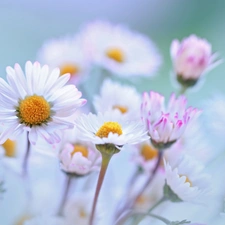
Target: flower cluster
[(118, 148)]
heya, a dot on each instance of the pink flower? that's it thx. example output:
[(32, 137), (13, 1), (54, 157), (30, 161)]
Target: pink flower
[(192, 57), (166, 125)]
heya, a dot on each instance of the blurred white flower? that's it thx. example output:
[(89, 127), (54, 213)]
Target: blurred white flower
[(114, 96), (166, 125), (69, 55), (145, 156), (120, 50), (111, 128), (78, 209), (191, 58), (188, 180), (48, 220), (38, 102)]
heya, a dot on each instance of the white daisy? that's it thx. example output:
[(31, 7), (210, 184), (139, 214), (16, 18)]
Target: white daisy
[(38, 102), (114, 96), (120, 50), (187, 180), (68, 54), (77, 209), (79, 157), (111, 128), (145, 156)]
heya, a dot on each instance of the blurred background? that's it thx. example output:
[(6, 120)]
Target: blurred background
[(26, 24)]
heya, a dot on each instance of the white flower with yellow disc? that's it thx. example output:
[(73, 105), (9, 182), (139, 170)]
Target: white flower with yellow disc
[(110, 128), (187, 180), (115, 96), (38, 102)]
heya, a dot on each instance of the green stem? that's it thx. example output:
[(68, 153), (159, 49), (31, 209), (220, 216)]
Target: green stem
[(163, 199), (105, 162), (183, 90)]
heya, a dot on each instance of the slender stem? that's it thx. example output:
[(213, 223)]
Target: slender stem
[(183, 90), (65, 194), (129, 214), (163, 199), (150, 177), (105, 162), (131, 204), (130, 183), (26, 156)]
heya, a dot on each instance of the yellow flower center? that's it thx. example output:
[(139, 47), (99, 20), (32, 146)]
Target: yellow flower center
[(82, 213), (148, 152), (69, 68), (22, 219), (34, 110), (121, 108), (186, 180), (115, 54), (10, 148), (108, 127), (80, 148)]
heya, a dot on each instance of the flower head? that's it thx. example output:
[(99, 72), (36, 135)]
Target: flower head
[(120, 50), (79, 158), (187, 180), (68, 54), (191, 58), (110, 128), (165, 125), (38, 102), (114, 96)]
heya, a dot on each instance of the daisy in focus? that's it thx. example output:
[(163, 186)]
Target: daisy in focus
[(187, 180), (110, 128), (120, 50), (114, 96), (68, 54), (38, 102), (166, 125)]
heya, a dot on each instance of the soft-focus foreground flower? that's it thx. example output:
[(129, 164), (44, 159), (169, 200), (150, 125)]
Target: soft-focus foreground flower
[(166, 125), (68, 54), (191, 58), (145, 156), (187, 180), (38, 102), (120, 50), (48, 220), (110, 128), (77, 209), (79, 158), (114, 96)]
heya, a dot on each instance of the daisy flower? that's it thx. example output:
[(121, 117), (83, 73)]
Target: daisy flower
[(166, 125), (120, 50), (68, 54), (145, 156), (79, 157), (191, 58), (187, 180), (114, 96), (38, 102), (110, 128)]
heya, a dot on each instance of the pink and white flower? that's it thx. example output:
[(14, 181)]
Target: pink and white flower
[(79, 158), (192, 57), (166, 125)]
